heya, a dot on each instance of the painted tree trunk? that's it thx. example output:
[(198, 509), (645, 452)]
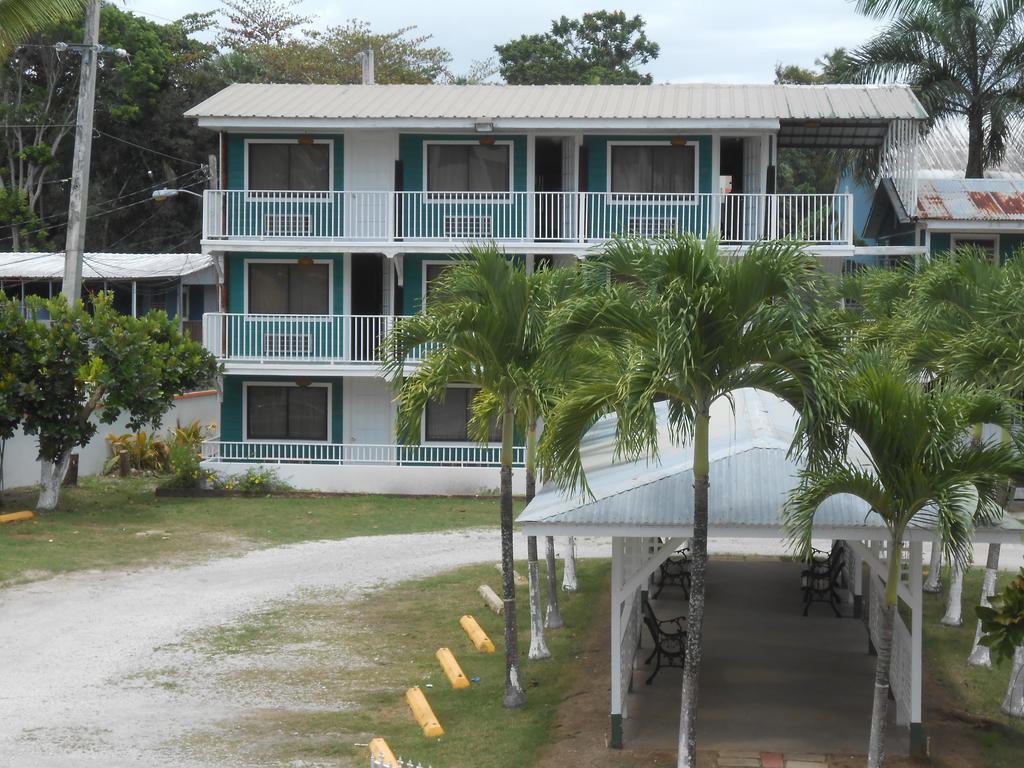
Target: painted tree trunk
[(954, 608), (880, 702), (933, 584), (552, 619), (51, 474), (538, 648), (980, 655), (514, 696), (569, 566), (695, 623), (1013, 704)]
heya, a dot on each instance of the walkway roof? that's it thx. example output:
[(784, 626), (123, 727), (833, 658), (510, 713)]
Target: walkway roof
[(751, 476), (104, 266)]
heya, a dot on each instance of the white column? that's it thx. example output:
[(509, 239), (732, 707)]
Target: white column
[(135, 305), (916, 632), (616, 641)]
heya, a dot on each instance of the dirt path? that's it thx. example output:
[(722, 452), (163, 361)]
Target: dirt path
[(82, 662)]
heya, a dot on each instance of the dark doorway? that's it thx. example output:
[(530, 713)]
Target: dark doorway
[(367, 291), (730, 165), (552, 207)]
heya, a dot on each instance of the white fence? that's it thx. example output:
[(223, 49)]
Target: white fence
[(544, 217)]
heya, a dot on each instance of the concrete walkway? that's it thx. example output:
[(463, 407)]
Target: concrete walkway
[(772, 681)]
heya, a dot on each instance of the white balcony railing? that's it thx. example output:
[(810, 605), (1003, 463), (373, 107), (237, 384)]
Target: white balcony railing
[(296, 338), (467, 455), (525, 217)]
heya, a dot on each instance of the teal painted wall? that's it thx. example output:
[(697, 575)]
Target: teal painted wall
[(236, 276), (1011, 246), (412, 290), (231, 427), (940, 242), (236, 155), (597, 160)]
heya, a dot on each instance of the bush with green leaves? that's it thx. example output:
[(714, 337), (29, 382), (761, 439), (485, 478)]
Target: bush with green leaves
[(254, 480), (1002, 625)]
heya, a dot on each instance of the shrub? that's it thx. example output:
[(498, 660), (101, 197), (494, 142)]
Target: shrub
[(191, 435), (185, 469), (255, 480), (145, 451)]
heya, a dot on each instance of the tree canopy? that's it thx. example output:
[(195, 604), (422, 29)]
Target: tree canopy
[(599, 47)]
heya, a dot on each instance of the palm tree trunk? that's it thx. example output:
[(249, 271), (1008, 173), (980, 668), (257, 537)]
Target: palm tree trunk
[(569, 566), (976, 141), (880, 703), (538, 648), (51, 473), (552, 619), (698, 568), (1013, 704), (954, 608), (933, 584), (980, 656), (514, 696)]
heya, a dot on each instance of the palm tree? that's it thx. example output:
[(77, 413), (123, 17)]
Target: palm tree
[(476, 329), (684, 322), (920, 472), (20, 18), (963, 57)]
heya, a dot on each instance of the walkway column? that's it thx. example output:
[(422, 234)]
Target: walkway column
[(917, 738), (616, 641)]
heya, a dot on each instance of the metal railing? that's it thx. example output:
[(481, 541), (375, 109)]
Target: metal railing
[(267, 452), (297, 338), (543, 217)]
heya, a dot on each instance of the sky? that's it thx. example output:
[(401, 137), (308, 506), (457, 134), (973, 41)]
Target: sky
[(721, 41)]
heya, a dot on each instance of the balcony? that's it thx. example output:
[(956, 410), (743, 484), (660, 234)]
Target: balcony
[(556, 220), (253, 452), (337, 344)]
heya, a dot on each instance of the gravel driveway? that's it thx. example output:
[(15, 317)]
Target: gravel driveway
[(78, 652)]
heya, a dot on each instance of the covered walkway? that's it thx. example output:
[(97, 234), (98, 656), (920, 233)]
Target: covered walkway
[(771, 680)]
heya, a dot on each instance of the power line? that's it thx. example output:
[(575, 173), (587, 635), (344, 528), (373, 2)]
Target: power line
[(149, 149)]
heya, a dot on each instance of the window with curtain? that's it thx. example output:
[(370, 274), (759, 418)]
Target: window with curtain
[(286, 413), (289, 167), (448, 420), (647, 169), (289, 289), (468, 168)]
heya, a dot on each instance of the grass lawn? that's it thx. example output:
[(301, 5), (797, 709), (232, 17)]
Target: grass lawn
[(119, 523), (975, 694), (348, 669)]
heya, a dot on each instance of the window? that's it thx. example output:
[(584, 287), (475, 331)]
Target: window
[(468, 167), (286, 413), (646, 169), (988, 244), (448, 421), (298, 167), (431, 272), (289, 289)]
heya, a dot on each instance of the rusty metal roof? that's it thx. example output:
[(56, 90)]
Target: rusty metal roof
[(971, 199), (471, 103)]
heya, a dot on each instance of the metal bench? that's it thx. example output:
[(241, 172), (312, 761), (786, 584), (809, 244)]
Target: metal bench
[(820, 581), (669, 636), (675, 571)]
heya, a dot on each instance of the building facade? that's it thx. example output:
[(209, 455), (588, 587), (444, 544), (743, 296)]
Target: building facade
[(335, 208)]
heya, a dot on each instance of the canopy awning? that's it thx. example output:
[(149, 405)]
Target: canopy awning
[(751, 475)]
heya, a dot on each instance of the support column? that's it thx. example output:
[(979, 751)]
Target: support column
[(918, 742), (857, 588), (616, 641), (135, 304)]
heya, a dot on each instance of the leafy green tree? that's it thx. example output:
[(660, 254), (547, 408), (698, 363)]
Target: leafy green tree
[(476, 329), (100, 366), (686, 323), (14, 375), (963, 57), (20, 18), (919, 472), (255, 23), (599, 47), (1003, 626)]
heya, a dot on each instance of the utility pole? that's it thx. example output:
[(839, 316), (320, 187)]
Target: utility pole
[(79, 198), (366, 59)]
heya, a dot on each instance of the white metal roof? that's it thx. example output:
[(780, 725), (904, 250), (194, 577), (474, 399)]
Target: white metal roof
[(944, 153), (108, 266), (499, 103), (751, 477)]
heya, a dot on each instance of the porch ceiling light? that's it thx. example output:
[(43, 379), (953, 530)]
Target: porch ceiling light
[(678, 141), (483, 125)]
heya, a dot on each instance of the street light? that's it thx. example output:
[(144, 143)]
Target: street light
[(162, 194)]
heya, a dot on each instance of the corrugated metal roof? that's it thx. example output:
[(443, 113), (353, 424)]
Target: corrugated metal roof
[(751, 476), (109, 266), (596, 102), (971, 199), (943, 153)]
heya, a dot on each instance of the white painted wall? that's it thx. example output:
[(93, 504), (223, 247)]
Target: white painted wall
[(362, 478), (21, 468)]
